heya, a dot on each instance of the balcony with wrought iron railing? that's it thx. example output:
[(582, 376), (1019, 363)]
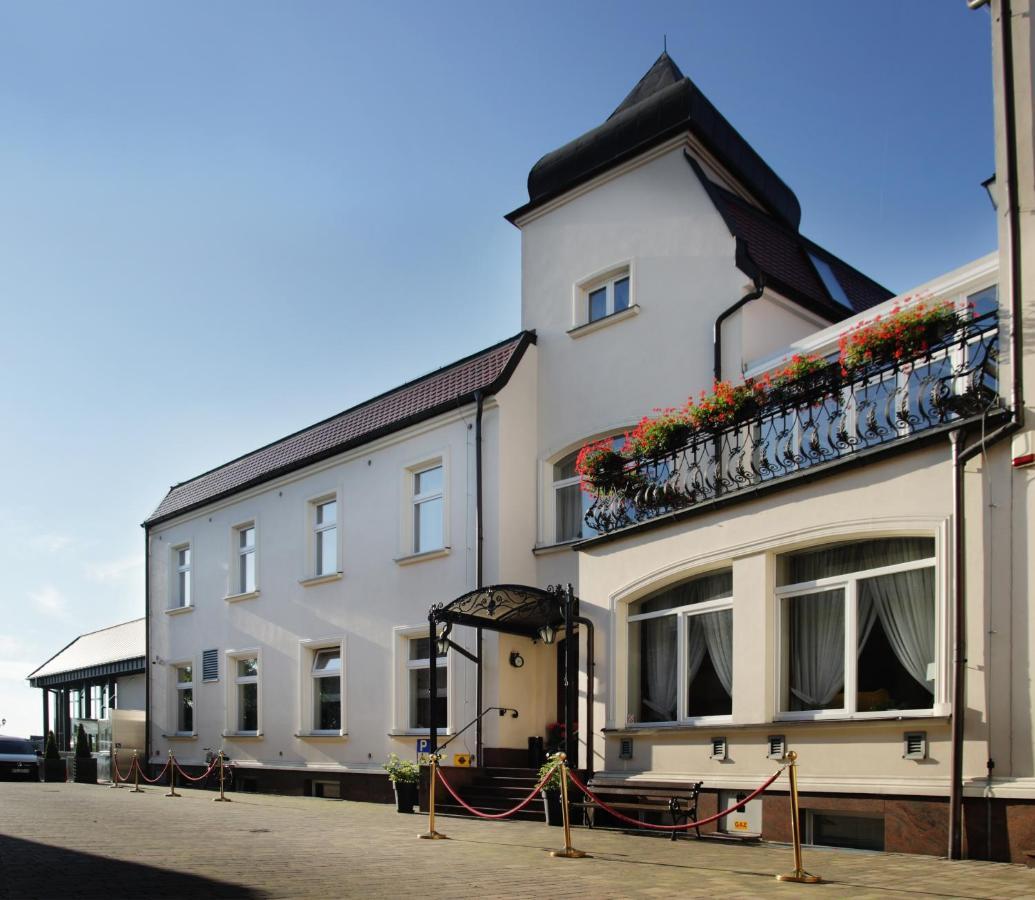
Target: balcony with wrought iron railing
[(818, 423)]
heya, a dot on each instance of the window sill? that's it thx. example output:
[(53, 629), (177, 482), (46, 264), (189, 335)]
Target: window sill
[(246, 595), (589, 327), (242, 735), (417, 733), (560, 546), (679, 728), (179, 610), (321, 579), (420, 557), (894, 715), (181, 736), (322, 735)]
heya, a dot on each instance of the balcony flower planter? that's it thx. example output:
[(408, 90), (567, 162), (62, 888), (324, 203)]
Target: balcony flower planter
[(906, 333), (803, 378), (601, 467), (661, 436)]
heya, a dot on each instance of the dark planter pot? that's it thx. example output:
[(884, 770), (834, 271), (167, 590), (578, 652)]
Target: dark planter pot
[(552, 805), (54, 770), (84, 770), (405, 796)]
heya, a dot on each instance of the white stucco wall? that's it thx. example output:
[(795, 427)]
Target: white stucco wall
[(131, 692)]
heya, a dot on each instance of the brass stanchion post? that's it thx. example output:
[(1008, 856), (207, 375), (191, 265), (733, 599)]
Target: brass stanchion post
[(136, 773), (222, 798), (569, 852), (172, 776), (799, 874), (431, 834), (113, 754)]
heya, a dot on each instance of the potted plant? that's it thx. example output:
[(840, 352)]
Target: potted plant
[(404, 776), (551, 791), (904, 333), (801, 376), (601, 467), (84, 766), (725, 406), (53, 765), (661, 435)]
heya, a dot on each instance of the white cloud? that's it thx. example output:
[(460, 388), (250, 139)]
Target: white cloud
[(114, 570), (49, 600)]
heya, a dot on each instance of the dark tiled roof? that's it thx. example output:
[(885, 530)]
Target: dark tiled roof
[(662, 105), (781, 254), (438, 392)]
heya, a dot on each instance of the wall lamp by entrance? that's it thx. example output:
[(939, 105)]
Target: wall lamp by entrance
[(516, 659), (442, 643), (547, 633)]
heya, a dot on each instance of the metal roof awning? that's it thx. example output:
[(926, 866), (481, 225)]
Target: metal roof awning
[(512, 608)]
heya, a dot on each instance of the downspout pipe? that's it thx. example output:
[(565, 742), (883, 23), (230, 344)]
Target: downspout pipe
[(590, 674), (759, 282), (479, 574), (961, 455)]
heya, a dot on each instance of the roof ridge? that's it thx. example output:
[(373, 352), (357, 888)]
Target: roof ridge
[(355, 407), (662, 74)]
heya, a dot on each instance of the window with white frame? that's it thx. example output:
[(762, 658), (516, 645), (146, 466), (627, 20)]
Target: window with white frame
[(244, 541), (246, 694), (184, 698), (181, 586), (420, 704), (681, 651), (858, 627), (428, 509), (326, 689), (571, 502), (607, 297), (325, 536)]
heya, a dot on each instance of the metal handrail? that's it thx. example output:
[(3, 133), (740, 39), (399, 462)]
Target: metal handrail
[(503, 710)]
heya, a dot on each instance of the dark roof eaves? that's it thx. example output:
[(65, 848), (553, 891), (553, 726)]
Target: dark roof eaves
[(524, 338)]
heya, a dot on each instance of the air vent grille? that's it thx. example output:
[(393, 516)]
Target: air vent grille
[(210, 665), (914, 745), (777, 746), (718, 748), (625, 749)]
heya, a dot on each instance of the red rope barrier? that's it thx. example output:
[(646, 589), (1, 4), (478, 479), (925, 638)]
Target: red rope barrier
[(685, 827), (154, 780), (502, 815), (201, 777), (119, 777)]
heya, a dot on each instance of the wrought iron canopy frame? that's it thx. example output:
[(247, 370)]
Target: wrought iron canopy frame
[(518, 609)]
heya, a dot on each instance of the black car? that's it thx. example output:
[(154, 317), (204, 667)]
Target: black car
[(18, 760)]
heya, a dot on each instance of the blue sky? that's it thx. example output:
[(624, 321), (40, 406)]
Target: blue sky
[(222, 222)]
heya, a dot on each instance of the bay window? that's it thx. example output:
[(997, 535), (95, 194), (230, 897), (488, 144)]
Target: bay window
[(858, 627), (681, 651)]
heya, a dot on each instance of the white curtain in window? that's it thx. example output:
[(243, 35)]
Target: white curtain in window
[(818, 642), (718, 634), (905, 604), (658, 645), (695, 646)]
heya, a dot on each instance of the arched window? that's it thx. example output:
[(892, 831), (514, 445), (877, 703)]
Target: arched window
[(681, 651), (857, 625), (571, 503)]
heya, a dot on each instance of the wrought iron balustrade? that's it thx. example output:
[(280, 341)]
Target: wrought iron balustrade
[(817, 424)]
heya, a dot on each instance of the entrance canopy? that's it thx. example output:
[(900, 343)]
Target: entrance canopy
[(512, 608)]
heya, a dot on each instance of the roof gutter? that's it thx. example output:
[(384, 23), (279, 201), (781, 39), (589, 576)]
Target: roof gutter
[(961, 455)]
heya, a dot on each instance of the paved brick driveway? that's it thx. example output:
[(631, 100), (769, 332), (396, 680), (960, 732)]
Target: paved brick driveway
[(74, 841)]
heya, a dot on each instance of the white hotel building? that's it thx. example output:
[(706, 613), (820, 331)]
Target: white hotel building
[(289, 590)]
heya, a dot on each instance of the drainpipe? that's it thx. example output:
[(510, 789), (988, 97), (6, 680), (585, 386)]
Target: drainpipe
[(759, 282), (147, 645), (479, 577), (961, 456)]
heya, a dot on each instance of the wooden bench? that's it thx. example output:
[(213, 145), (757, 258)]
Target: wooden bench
[(679, 803)]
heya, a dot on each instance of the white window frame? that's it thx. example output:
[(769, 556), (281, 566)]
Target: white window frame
[(555, 485), (179, 600), (408, 507), (308, 651), (849, 584), (606, 279), (403, 635), (235, 586), (313, 575), (234, 681), (419, 499), (178, 688), (683, 615)]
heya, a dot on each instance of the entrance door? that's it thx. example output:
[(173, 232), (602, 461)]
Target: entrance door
[(573, 677)]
